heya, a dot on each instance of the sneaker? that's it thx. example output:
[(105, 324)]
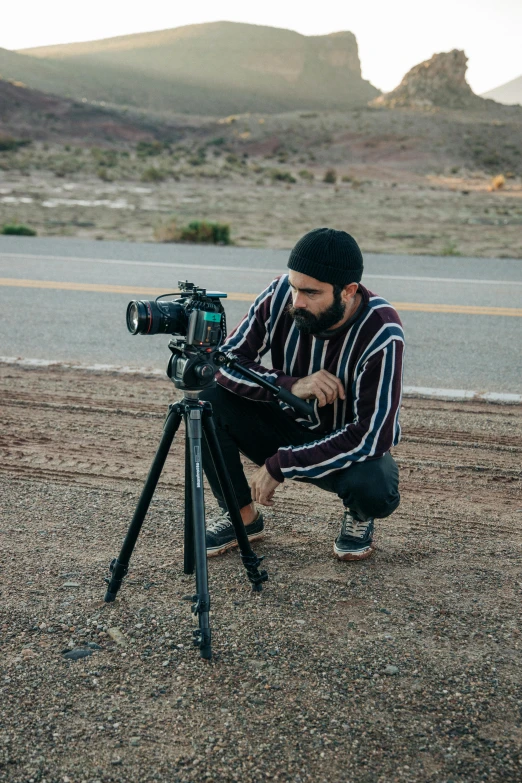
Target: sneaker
[(222, 536), (355, 541)]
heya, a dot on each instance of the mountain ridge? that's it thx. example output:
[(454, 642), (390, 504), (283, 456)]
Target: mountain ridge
[(509, 93), (215, 68)]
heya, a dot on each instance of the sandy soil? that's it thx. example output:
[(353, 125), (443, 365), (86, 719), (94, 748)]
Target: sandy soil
[(389, 211), (299, 688)]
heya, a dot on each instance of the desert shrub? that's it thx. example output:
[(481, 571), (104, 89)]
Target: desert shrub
[(8, 143), (353, 180), (65, 167), (232, 159), (18, 229), (218, 141), (330, 176), (196, 160), (206, 231), (498, 182), (199, 231), (278, 175), (450, 249), (146, 149), (306, 175), (152, 174), (104, 157), (104, 174)]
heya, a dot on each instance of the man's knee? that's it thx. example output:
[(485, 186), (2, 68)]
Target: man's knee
[(222, 402), (372, 488)]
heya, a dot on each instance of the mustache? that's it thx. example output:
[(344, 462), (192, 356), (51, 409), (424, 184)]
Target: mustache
[(298, 312)]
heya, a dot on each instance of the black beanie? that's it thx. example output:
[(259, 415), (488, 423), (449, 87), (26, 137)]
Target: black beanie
[(328, 255)]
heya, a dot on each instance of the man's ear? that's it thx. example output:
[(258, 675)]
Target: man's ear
[(350, 290)]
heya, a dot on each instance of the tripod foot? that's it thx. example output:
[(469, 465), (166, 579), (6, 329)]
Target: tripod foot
[(256, 577), (118, 572), (201, 639)]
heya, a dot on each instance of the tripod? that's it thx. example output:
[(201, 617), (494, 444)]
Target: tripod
[(198, 423)]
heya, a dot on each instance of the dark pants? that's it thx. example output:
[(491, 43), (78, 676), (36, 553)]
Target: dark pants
[(259, 429)]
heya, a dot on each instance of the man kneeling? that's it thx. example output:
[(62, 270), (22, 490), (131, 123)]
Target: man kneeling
[(333, 342)]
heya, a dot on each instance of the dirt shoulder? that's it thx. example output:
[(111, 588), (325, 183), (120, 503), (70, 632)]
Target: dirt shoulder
[(298, 689)]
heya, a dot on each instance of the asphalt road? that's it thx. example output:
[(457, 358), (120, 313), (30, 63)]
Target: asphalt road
[(462, 316)]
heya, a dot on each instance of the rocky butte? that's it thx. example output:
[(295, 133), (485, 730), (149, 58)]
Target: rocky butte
[(437, 82)]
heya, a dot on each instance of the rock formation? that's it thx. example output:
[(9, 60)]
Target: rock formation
[(440, 81)]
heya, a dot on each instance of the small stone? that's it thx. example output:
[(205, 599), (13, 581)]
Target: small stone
[(93, 646), (71, 584), (117, 636), (134, 741), (391, 670), (116, 761), (77, 653)]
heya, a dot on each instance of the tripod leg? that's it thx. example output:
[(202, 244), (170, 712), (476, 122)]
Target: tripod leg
[(119, 566), (250, 560), (188, 548), (201, 606)]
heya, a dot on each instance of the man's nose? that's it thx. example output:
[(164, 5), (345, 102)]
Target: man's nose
[(299, 301)]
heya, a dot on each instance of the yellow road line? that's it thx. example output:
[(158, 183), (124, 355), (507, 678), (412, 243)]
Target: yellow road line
[(101, 288), (422, 307)]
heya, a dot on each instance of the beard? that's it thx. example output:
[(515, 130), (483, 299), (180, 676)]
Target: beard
[(307, 323)]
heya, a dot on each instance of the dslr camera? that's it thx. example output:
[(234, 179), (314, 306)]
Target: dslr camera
[(198, 324)]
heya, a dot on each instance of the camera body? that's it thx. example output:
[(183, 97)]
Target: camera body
[(197, 319), (197, 315)]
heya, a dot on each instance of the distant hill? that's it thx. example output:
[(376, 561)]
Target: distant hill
[(510, 93), (27, 114), (212, 69)]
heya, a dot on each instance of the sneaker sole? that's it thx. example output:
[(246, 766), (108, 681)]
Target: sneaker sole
[(366, 553), (231, 545)]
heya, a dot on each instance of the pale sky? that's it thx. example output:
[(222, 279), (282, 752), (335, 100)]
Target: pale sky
[(393, 35)]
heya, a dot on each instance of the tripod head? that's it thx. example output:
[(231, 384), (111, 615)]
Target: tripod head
[(193, 368)]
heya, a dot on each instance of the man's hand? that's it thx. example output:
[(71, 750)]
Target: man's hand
[(322, 385), (263, 487)]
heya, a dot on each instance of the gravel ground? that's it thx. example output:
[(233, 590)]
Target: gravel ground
[(405, 667)]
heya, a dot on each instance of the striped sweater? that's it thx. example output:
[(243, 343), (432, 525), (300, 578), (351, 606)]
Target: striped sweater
[(366, 356)]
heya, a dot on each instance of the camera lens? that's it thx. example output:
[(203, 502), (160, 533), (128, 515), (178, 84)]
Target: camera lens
[(138, 320), (166, 317)]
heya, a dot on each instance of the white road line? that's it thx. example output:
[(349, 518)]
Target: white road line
[(250, 270), (444, 279), (409, 391), (125, 369), (460, 394)]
